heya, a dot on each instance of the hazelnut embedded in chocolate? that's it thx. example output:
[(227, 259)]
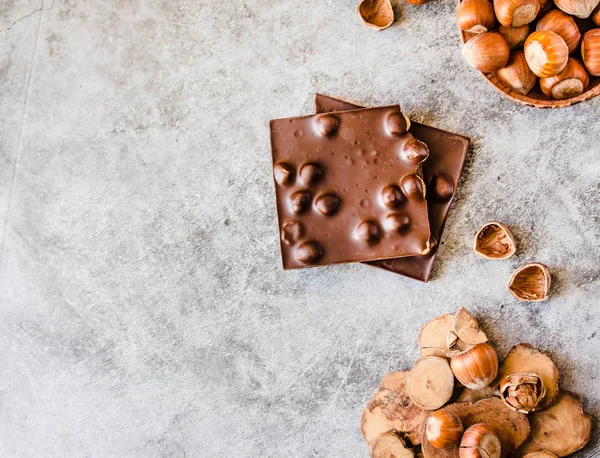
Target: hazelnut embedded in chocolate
[(292, 232), (396, 223), (396, 124), (391, 196), (442, 188), (299, 201), (414, 151), (413, 187), (309, 252), (326, 124), (283, 173), (368, 232), (327, 204), (309, 173)]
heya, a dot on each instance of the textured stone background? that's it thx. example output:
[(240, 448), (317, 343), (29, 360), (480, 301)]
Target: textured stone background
[(143, 308)]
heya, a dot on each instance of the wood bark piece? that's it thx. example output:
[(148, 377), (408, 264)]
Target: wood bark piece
[(525, 358), (540, 454), (392, 410), (377, 14), (466, 328), (469, 395), (561, 429), (512, 427), (430, 383), (390, 445), (433, 338)]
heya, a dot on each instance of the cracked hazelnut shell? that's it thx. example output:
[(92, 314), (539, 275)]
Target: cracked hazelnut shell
[(522, 391), (495, 241), (530, 282), (377, 14), (526, 358)]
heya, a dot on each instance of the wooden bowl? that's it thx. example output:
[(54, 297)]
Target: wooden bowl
[(536, 98)]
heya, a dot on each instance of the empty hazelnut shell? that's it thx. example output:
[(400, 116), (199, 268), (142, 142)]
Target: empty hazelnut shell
[(377, 14), (530, 282), (495, 241)]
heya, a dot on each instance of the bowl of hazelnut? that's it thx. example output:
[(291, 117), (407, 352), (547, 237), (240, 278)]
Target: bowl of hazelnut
[(540, 53)]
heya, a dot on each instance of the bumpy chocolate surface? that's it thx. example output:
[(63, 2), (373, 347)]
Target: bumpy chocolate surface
[(348, 187), (441, 172)]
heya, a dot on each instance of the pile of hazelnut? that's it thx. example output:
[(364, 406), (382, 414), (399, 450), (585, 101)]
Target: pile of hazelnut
[(460, 401), (533, 40)]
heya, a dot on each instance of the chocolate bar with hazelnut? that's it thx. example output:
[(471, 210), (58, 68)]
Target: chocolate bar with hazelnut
[(441, 172), (348, 187)]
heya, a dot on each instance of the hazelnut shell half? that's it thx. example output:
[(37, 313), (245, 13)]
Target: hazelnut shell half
[(494, 241), (530, 282), (377, 14)]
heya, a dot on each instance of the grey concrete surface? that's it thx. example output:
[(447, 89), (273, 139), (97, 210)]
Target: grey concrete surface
[(143, 308)]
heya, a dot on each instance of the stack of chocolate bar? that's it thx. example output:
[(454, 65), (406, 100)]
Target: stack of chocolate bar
[(357, 184)]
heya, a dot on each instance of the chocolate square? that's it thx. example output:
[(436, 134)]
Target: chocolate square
[(348, 187), (441, 172)]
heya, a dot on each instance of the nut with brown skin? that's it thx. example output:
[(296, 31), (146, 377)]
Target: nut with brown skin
[(571, 82), (590, 51), (476, 368), (515, 36), (530, 282), (377, 14), (580, 8), (517, 74), (480, 441), (546, 53), (515, 13), (487, 52), (494, 241), (540, 454), (522, 391), (562, 24), (475, 16), (595, 17), (444, 429)]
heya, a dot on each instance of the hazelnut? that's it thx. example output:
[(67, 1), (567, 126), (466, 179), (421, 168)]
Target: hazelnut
[(517, 75), (487, 52), (521, 391), (562, 24), (515, 13), (580, 8), (444, 429), (480, 441), (475, 16), (530, 282), (595, 17), (590, 51), (546, 53), (515, 36), (571, 82), (377, 14), (495, 241), (476, 368)]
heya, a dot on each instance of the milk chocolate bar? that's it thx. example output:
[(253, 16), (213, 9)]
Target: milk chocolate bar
[(348, 187), (441, 172)]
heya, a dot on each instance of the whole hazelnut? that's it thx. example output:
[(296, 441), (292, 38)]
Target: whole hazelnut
[(487, 52), (546, 53), (475, 16), (443, 429), (569, 83), (515, 13), (590, 51), (476, 368)]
